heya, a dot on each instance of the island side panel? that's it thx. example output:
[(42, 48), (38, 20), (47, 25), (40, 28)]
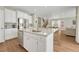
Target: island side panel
[(49, 43)]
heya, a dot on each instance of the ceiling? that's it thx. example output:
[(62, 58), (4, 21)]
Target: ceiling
[(43, 11)]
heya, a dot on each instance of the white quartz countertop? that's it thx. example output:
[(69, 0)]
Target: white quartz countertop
[(44, 32)]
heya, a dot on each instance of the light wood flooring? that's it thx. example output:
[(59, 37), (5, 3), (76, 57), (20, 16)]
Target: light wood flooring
[(11, 45), (64, 43)]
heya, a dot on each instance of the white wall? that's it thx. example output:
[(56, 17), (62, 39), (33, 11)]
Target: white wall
[(77, 26), (10, 15), (67, 16), (68, 22), (2, 24), (64, 14)]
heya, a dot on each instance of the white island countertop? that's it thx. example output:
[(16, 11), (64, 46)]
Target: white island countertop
[(44, 32)]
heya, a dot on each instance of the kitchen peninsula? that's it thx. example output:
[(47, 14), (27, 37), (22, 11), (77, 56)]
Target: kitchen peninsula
[(37, 41)]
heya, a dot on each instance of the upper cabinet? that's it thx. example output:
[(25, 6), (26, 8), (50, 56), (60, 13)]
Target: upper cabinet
[(20, 14), (24, 15), (10, 16)]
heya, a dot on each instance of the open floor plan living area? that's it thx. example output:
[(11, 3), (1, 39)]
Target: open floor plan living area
[(39, 29)]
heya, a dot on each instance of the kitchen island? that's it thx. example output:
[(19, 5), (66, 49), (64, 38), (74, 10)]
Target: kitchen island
[(39, 41)]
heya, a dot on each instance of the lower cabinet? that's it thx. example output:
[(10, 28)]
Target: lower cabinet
[(37, 43), (33, 43), (27, 44), (41, 45), (10, 33), (30, 43)]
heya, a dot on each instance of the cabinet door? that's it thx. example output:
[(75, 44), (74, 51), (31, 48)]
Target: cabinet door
[(10, 16), (30, 43), (41, 44), (14, 17), (10, 33), (13, 32), (26, 43), (20, 14), (7, 33), (33, 44), (7, 15)]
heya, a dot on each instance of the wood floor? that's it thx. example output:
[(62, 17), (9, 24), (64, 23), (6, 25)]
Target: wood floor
[(11, 46), (63, 43)]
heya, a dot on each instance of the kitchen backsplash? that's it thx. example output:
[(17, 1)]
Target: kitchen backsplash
[(10, 25)]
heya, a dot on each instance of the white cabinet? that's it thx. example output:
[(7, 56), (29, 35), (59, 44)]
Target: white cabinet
[(1, 25), (24, 15), (33, 44), (29, 43), (41, 44), (26, 44), (20, 14), (14, 32), (10, 16), (37, 43), (10, 33)]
